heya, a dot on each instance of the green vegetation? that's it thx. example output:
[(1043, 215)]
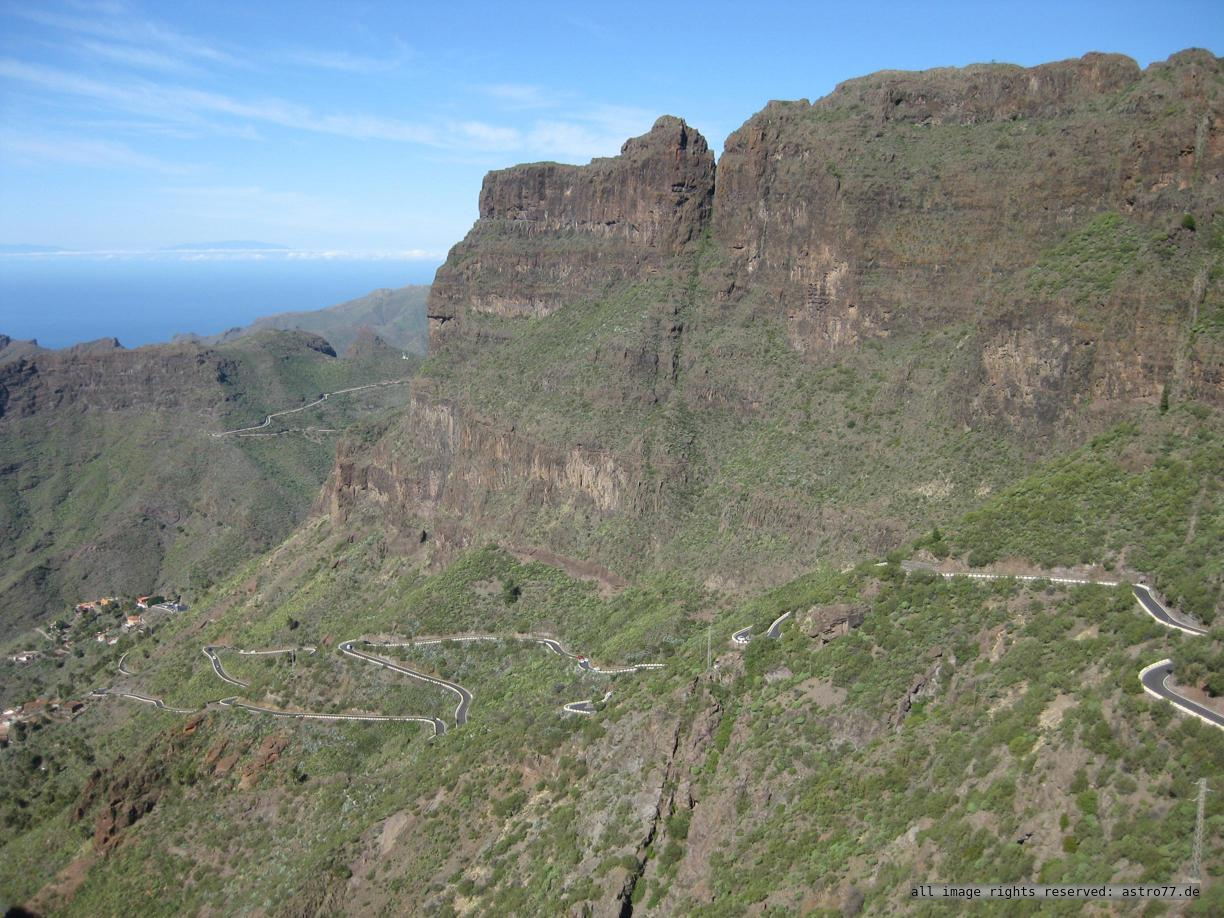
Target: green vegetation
[(1116, 259), (396, 316), (757, 428), (1029, 720), (1148, 498), (159, 502), (744, 445)]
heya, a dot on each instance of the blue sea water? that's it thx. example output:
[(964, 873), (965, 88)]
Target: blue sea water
[(64, 300)]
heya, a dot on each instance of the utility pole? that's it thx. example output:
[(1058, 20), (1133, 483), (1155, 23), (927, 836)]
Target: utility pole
[(1196, 864)]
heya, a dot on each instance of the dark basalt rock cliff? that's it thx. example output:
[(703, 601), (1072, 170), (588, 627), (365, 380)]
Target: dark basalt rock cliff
[(82, 379), (551, 234), (908, 196), (103, 375), (913, 200), (1058, 228), (11, 350)]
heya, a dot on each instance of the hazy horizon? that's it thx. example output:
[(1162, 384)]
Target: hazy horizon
[(146, 300), (358, 139)]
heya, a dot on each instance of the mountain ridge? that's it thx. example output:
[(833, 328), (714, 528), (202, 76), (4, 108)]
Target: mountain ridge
[(982, 247), (741, 397), (395, 315)]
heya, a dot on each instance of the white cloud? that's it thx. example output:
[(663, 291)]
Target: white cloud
[(83, 152), (490, 136), (189, 129), (147, 44), (133, 56), (599, 131), (180, 103), (522, 96), (133, 31), (344, 61)]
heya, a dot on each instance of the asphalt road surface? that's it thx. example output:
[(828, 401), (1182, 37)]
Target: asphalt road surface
[(320, 400), (136, 696), (438, 726), (584, 707), (465, 697), (1153, 608), (211, 652), (348, 647), (744, 635), (1155, 679)]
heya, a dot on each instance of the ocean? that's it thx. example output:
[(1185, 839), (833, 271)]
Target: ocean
[(66, 299)]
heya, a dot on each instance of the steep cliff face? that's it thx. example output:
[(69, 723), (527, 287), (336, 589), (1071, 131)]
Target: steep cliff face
[(461, 476), (551, 234), (12, 350), (908, 200), (890, 301), (112, 380)]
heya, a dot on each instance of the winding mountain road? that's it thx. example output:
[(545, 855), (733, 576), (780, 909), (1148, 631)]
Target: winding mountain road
[(464, 696), (439, 727), (349, 649), (266, 653), (584, 707), (1154, 678), (320, 400), (210, 651), (136, 696), (1153, 608), (744, 635)]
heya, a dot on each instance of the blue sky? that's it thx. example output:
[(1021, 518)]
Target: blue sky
[(366, 127)]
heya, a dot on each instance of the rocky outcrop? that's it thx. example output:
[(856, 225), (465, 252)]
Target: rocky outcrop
[(457, 458), (986, 92), (265, 757), (552, 234), (120, 797), (104, 376), (97, 346), (824, 624), (908, 201), (88, 378), (108, 469), (923, 687), (11, 349), (1056, 229)]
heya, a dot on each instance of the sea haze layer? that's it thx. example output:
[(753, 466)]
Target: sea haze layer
[(65, 299)]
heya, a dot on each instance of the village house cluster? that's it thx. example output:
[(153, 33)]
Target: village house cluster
[(113, 617), (125, 620)]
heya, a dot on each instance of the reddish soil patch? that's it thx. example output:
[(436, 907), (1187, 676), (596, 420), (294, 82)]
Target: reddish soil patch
[(609, 583)]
